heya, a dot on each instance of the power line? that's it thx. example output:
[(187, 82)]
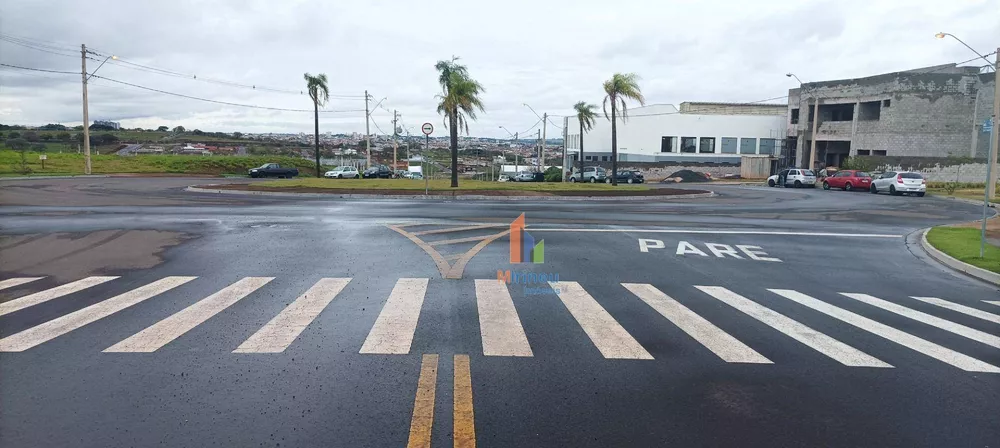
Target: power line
[(40, 69), (553, 124), (958, 63), (529, 129), (58, 52)]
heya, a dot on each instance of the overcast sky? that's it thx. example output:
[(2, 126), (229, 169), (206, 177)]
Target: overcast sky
[(549, 54)]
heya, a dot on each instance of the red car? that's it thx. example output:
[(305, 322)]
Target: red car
[(848, 180)]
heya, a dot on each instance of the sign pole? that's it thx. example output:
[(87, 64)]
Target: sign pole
[(427, 129)]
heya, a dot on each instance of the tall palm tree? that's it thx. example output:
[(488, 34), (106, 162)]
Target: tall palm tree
[(585, 115), (316, 85), (458, 103), (619, 88)]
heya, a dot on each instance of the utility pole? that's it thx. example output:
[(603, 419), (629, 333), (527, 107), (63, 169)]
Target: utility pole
[(395, 145), (994, 143), (812, 145), (541, 150), (86, 113), (368, 141)]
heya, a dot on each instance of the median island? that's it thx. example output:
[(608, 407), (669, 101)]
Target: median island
[(442, 187)]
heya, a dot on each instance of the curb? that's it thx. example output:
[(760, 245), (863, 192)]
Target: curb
[(947, 260), (476, 197), (83, 176)]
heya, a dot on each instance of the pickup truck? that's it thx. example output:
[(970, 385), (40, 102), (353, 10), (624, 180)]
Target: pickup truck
[(273, 170)]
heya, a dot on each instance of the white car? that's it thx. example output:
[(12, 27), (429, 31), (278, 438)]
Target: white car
[(899, 182), (795, 177), (342, 172)]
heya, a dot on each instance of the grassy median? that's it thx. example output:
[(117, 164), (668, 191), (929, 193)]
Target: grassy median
[(441, 185), (73, 164), (962, 243)]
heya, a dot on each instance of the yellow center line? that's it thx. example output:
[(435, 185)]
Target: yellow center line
[(464, 421), (423, 406)]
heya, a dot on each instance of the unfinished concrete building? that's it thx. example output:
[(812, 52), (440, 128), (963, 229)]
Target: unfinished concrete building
[(928, 112)]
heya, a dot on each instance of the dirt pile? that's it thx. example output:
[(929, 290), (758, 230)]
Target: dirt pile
[(688, 176)]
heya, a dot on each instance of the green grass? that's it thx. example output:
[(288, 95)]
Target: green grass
[(963, 244), (441, 185), (73, 164), (975, 194)]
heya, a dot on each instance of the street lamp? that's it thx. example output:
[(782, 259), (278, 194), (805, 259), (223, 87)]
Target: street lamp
[(812, 144), (942, 35)]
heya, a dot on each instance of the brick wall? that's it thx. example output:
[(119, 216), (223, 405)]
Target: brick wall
[(657, 171)]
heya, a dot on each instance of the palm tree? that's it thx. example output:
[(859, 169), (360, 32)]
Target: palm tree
[(619, 88), (458, 103), (585, 115), (316, 85)]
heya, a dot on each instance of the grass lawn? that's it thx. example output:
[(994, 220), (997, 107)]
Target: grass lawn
[(963, 244), (441, 185), (73, 164), (975, 194)]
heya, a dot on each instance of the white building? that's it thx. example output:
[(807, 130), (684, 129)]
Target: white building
[(697, 132)]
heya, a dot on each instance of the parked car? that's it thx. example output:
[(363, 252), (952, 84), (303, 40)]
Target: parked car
[(825, 173), (592, 174), (415, 175), (377, 171), (342, 172), (628, 177), (273, 170), (848, 180), (899, 182), (529, 176), (503, 178), (797, 178)]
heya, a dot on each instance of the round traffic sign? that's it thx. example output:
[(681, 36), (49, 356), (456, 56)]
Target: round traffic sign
[(427, 128)]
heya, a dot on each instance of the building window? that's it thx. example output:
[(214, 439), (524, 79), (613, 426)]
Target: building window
[(689, 144), (869, 111), (707, 145), (667, 144), (878, 152), (729, 145), (886, 103), (748, 146), (767, 145), (864, 152), (604, 158), (795, 116)]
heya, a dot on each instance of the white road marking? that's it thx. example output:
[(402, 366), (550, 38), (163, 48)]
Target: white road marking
[(604, 331), (281, 331), (393, 331), (721, 232), (967, 310), (946, 325), (993, 302), (839, 351), (499, 324), (161, 333), (49, 294), (59, 326), (713, 338), (907, 340), (18, 281)]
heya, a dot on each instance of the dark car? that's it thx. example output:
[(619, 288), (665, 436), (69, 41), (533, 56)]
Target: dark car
[(377, 171), (273, 170), (628, 177)]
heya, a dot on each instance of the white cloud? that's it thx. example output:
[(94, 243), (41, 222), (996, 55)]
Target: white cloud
[(548, 54)]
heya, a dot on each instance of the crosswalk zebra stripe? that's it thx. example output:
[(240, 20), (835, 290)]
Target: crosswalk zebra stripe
[(967, 310), (393, 331), (61, 325), (281, 331), (713, 338), (18, 281), (910, 341), (49, 294), (604, 331), (839, 351), (499, 324), (161, 333), (946, 325)]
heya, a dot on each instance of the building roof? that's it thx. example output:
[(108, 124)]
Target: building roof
[(709, 103)]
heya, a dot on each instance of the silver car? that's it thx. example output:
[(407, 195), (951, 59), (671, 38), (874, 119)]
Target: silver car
[(592, 174), (797, 178), (899, 182), (342, 172)]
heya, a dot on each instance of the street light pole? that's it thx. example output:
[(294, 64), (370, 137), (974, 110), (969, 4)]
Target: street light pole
[(991, 162), (86, 113)]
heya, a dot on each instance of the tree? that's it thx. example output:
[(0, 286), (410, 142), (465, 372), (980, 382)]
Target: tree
[(585, 115), (53, 127), (78, 128), (14, 134), (31, 136), (162, 129), (101, 127), (237, 135), (619, 88), (198, 132), (46, 137), (63, 136), (458, 103), (179, 129), (318, 92), (17, 144)]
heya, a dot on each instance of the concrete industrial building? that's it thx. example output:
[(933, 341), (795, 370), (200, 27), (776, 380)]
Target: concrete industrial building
[(927, 112), (696, 132)]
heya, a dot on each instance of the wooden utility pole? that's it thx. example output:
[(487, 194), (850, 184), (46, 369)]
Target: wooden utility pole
[(395, 145), (812, 145), (86, 113), (541, 149), (995, 135), (368, 141)]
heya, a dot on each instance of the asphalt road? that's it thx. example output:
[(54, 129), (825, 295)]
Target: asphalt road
[(258, 321)]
